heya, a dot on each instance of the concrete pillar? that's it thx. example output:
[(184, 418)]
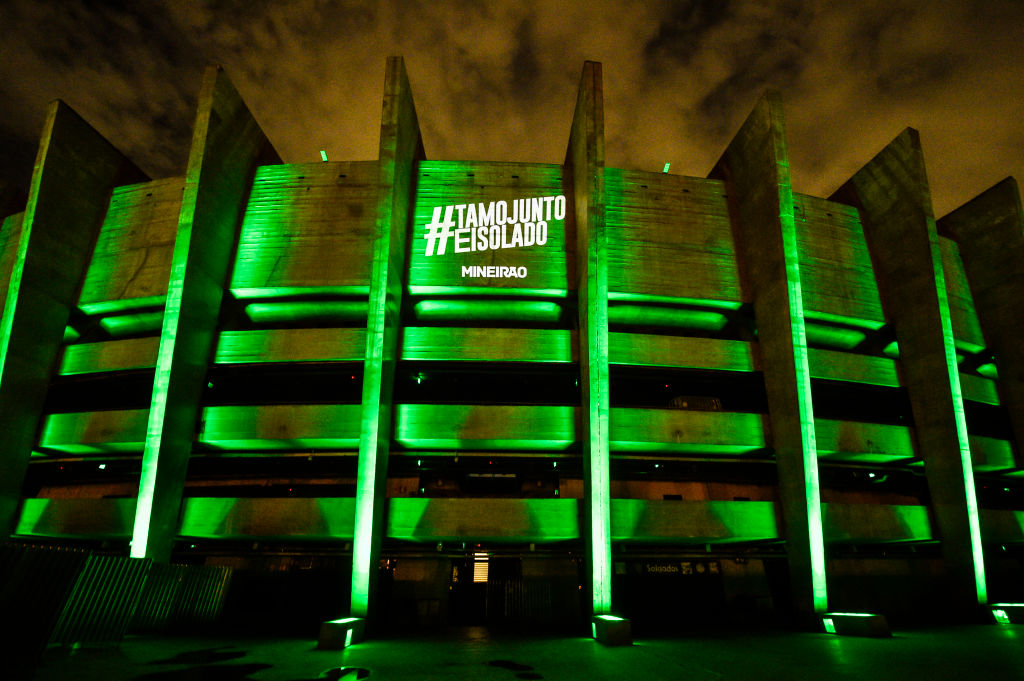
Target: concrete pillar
[(400, 148), (989, 230), (227, 147), (584, 161), (75, 171), (895, 203), (755, 168), (10, 236)]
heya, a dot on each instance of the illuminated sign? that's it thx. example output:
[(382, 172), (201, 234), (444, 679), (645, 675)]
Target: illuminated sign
[(493, 271), (682, 568), (475, 227)]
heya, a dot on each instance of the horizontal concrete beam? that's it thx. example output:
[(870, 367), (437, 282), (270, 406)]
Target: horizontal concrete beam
[(431, 520)]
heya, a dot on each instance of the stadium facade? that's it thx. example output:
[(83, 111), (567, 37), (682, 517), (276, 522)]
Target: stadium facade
[(458, 391)]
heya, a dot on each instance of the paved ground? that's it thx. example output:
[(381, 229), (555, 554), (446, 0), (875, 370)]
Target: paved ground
[(474, 654)]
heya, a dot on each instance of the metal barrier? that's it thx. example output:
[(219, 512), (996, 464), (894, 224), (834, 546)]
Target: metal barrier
[(180, 596), (102, 601)]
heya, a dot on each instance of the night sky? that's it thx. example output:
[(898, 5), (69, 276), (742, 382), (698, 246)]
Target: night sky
[(498, 80)]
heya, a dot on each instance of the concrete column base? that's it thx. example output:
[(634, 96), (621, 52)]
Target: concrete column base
[(339, 634), (856, 624), (611, 630)]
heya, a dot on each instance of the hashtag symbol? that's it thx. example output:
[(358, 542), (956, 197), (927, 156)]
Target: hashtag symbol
[(437, 229)]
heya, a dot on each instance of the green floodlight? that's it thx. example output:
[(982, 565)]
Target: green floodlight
[(323, 156), (665, 169), (856, 624), (1004, 613)]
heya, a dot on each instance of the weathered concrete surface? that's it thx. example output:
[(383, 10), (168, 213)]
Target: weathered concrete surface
[(990, 232), (75, 171), (401, 146), (227, 146), (892, 194), (755, 168), (585, 161)]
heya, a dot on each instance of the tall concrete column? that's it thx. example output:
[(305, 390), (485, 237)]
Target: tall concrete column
[(895, 203), (75, 171), (989, 230), (584, 160), (755, 168), (400, 148), (227, 147)]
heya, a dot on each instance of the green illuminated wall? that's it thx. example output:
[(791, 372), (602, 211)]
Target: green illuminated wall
[(679, 228), (442, 183), (490, 344), (496, 521), (835, 266), (680, 351), (680, 431), (290, 345), (864, 442), (979, 388), (486, 427), (95, 432), (232, 518), (132, 257), (856, 368), (307, 225), (962, 317), (247, 266), (113, 355), (280, 427)]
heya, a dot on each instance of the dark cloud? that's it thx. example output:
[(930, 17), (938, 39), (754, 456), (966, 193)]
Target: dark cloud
[(766, 62), (498, 80), (526, 67), (680, 36), (918, 75)]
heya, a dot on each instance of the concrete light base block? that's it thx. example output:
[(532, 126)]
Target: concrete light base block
[(339, 634), (856, 624), (611, 630), (1008, 613)]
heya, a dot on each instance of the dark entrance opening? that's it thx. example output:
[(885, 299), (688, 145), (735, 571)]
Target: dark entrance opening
[(501, 587), (520, 591), (668, 594), (476, 580)]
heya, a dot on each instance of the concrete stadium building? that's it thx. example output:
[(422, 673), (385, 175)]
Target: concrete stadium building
[(426, 392)]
